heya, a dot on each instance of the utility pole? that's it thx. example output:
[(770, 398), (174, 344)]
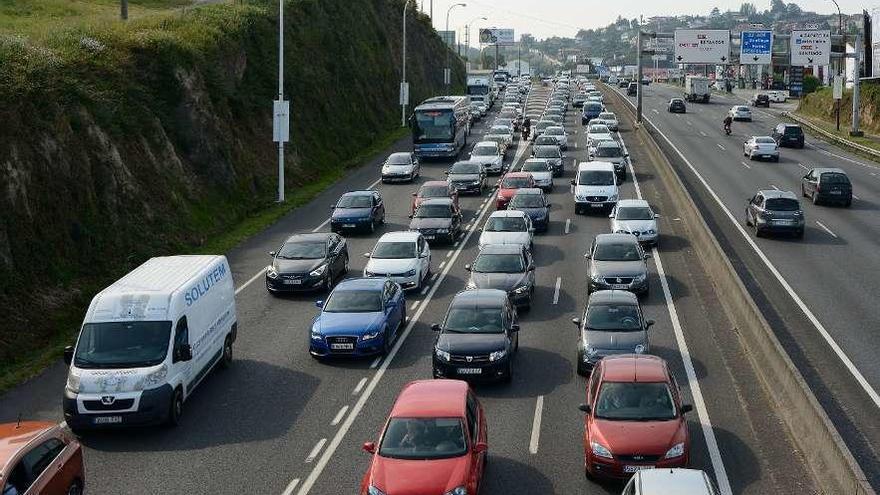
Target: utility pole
[(639, 76), (447, 72), (280, 114), (855, 98), (123, 10), (404, 86), (841, 61)]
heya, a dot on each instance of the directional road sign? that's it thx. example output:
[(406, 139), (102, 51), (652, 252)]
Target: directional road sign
[(811, 47), (755, 48), (702, 46)]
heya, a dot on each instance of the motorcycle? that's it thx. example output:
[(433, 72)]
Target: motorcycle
[(727, 129), (525, 133)]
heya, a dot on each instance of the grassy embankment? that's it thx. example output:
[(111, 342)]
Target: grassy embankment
[(819, 108)]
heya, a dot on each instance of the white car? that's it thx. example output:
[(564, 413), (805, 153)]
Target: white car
[(635, 216), (609, 119), (597, 132), (502, 130), (777, 96), (404, 257), (507, 227), (489, 154), (740, 112), (761, 147), (403, 166), (542, 172), (558, 133), (664, 481), (500, 139)]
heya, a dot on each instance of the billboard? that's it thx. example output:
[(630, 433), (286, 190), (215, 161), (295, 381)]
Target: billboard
[(448, 37), (702, 46), (811, 47), (755, 47), (582, 69), (496, 36)]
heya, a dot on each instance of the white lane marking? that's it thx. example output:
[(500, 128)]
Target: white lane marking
[(339, 416), (575, 145), (655, 111), (449, 254), (362, 400), (774, 186), (826, 229), (722, 147), (567, 225), (458, 242), (316, 450), (442, 264), (536, 425), (838, 351), (323, 224), (855, 197), (873, 174), (375, 362), (689, 122), (826, 152), (556, 290), (291, 487), (415, 305), (702, 134), (250, 281), (696, 391), (801, 165), (425, 290), (746, 165), (434, 276), (360, 386)]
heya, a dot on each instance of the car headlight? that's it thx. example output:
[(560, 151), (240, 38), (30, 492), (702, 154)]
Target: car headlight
[(650, 231), (521, 289), (368, 273), (443, 355), (73, 382), (372, 490), (459, 490), (677, 450), (590, 351), (271, 272), (475, 182), (317, 336), (385, 170), (154, 379), (640, 349), (317, 272), (495, 356), (600, 450), (371, 335), (442, 231), (471, 285), (580, 197), (640, 277), (613, 197), (410, 273), (596, 277)]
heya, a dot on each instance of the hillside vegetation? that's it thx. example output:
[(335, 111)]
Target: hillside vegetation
[(820, 105), (120, 141)]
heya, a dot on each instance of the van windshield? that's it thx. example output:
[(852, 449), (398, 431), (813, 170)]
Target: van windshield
[(129, 344)]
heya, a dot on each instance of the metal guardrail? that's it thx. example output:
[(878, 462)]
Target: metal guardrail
[(834, 138)]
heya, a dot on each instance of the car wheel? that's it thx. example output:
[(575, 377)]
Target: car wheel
[(758, 232), (800, 234), (226, 359), (175, 410), (328, 282), (372, 226), (75, 488), (581, 367), (508, 375), (388, 344), (815, 198), (345, 267), (803, 191), (848, 203)]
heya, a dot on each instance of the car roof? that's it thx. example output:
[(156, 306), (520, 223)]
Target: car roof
[(507, 214), (437, 201), (14, 436), (502, 249), (791, 125), (673, 482), (773, 193), (359, 193), (632, 202), (469, 162), (319, 236), (642, 368), (431, 398), (529, 190), (608, 143), (401, 235), (435, 183), (826, 170), (613, 297), (360, 283), (517, 175), (762, 137), (600, 238), (486, 143), (491, 298)]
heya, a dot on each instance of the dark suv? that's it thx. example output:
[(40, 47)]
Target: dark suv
[(789, 135), (775, 211), (827, 185), (632, 89), (761, 100)]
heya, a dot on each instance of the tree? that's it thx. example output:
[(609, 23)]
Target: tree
[(777, 7), (748, 9), (715, 12), (794, 9)]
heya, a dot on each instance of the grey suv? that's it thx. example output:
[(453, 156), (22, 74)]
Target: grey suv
[(775, 211), (507, 267)]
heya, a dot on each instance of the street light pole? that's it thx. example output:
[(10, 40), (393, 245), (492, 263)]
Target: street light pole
[(467, 36), (840, 61), (281, 97), (447, 73)]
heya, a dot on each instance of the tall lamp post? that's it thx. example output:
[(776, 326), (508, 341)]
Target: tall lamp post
[(447, 73), (404, 86), (467, 35), (841, 61)]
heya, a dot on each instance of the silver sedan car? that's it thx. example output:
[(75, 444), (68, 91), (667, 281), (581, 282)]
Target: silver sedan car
[(761, 147), (740, 112)]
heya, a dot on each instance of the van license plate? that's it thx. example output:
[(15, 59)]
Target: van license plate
[(429, 238), (108, 420), (342, 347), (348, 225), (470, 371), (596, 205), (619, 286), (633, 469)]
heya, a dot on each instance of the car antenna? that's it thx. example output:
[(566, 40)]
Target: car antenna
[(18, 422)]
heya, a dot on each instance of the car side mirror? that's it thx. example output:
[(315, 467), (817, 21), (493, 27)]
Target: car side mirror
[(366, 255), (183, 352), (531, 267), (588, 256), (611, 215), (576, 321), (272, 253), (686, 408), (626, 155), (572, 182), (649, 323), (656, 215), (647, 256), (410, 216), (531, 229), (585, 408), (480, 447), (369, 447), (414, 194), (467, 267), (319, 303), (68, 354), (549, 205), (514, 328), (435, 327), (447, 172), (332, 206)]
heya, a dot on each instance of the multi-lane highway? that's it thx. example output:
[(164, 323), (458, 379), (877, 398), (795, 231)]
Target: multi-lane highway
[(278, 422), (819, 292)]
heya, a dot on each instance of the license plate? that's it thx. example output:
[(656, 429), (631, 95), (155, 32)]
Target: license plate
[(429, 237), (342, 347), (784, 222), (596, 205), (619, 286), (767, 156), (836, 192), (470, 371), (348, 225), (107, 420), (293, 282), (633, 469)]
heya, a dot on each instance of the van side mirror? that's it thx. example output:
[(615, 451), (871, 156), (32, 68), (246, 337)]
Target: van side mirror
[(480, 447), (183, 352), (68, 354), (467, 267), (686, 408), (272, 253), (369, 447), (585, 408)]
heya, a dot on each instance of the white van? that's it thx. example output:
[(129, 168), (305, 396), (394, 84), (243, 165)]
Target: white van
[(148, 340), (594, 186)]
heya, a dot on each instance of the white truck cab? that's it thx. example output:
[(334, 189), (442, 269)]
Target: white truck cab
[(148, 340)]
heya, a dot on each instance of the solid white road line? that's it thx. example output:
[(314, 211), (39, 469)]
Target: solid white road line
[(375, 362), (316, 450), (702, 134), (339, 416), (838, 351), (377, 377), (556, 290), (250, 281), (693, 384), (801, 165), (323, 224), (291, 487), (536, 425), (826, 229), (567, 225), (746, 165), (360, 386), (722, 148)]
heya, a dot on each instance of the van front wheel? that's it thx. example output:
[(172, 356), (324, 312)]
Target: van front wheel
[(176, 409), (226, 360)]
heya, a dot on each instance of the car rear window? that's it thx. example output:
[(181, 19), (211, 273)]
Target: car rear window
[(793, 131), (782, 204), (834, 178)]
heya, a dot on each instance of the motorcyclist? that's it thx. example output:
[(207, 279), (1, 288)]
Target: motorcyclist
[(727, 123), (526, 127)]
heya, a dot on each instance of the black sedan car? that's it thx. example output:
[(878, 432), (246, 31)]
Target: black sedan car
[(437, 220), (307, 262), (676, 105), (477, 338), (532, 202), (761, 100)]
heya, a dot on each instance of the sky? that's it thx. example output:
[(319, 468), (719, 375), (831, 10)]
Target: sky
[(546, 18)]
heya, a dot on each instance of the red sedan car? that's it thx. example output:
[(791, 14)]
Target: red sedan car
[(509, 184), (434, 189), (433, 443), (39, 458), (635, 418)]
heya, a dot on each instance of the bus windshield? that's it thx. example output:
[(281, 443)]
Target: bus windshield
[(432, 126)]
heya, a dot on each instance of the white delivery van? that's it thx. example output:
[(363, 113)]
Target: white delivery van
[(148, 340), (594, 186)]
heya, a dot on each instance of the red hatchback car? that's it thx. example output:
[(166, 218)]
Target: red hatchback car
[(509, 184), (635, 418), (433, 189), (433, 443), (39, 458)]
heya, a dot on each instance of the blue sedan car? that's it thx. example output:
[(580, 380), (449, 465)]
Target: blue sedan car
[(357, 211), (361, 317)]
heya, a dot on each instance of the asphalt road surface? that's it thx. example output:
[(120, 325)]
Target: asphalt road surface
[(280, 423)]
